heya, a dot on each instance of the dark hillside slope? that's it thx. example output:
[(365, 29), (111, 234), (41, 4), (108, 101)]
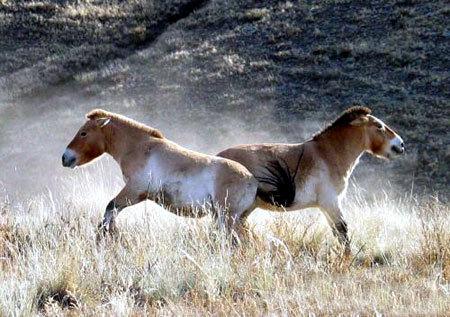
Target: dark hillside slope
[(64, 37), (282, 68), (314, 60)]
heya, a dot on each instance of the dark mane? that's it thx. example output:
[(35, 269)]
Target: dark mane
[(345, 118), (100, 113)]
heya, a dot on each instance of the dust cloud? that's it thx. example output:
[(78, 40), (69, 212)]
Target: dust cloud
[(34, 132)]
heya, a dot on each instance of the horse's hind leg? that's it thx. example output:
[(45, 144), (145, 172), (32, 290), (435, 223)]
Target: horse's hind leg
[(237, 199), (237, 219), (227, 220), (241, 226)]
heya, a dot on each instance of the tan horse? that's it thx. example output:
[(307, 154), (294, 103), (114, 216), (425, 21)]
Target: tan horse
[(315, 173), (183, 181)]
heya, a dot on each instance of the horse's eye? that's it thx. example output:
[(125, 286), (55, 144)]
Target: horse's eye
[(83, 134), (380, 127)]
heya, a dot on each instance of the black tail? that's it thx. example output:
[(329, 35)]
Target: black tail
[(282, 180)]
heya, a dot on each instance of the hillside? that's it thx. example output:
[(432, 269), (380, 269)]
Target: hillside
[(231, 72)]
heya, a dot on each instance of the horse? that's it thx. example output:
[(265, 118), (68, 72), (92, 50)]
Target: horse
[(182, 181), (315, 173)]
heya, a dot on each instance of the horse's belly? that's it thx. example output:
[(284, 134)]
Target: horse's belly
[(181, 189), (195, 190), (295, 206), (189, 196), (183, 202), (188, 211), (305, 197)]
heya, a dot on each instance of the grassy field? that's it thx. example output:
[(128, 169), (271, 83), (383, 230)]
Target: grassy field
[(161, 264)]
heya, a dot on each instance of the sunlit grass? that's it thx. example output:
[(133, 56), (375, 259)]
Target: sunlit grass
[(160, 263)]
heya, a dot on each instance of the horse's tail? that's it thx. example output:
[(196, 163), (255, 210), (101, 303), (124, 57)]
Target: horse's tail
[(282, 181)]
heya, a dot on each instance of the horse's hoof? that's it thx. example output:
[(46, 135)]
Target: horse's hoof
[(102, 228), (347, 252), (102, 231)]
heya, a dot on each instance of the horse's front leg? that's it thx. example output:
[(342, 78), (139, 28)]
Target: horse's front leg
[(108, 223), (333, 212), (128, 196)]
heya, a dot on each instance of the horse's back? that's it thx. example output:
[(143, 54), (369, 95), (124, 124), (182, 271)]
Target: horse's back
[(234, 185), (255, 157), (286, 173)]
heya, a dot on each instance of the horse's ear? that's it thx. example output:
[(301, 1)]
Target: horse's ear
[(359, 121), (101, 122)]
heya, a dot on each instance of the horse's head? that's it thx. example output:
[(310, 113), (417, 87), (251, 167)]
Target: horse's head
[(381, 140), (88, 144)]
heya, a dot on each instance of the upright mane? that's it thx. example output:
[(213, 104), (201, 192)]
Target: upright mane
[(345, 118), (100, 113)]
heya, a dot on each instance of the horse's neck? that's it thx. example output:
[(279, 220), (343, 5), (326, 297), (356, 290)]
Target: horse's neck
[(343, 148), (120, 140)]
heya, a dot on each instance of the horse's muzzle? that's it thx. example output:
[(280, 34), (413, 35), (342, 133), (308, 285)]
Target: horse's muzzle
[(69, 159), (398, 149)]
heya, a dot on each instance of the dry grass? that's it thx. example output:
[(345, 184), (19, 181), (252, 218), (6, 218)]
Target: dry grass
[(168, 265)]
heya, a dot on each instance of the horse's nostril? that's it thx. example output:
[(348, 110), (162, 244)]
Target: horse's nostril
[(398, 150), (64, 161), (402, 145)]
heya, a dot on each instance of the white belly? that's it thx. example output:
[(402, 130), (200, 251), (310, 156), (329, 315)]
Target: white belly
[(181, 187)]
